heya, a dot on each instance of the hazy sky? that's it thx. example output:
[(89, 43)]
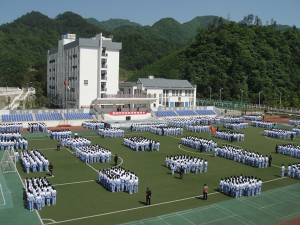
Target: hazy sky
[(148, 12)]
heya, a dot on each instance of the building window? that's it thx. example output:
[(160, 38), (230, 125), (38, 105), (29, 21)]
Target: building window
[(154, 95), (86, 82)]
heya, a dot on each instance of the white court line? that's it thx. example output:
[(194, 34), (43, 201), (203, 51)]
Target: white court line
[(79, 182), (50, 220), (264, 208), (215, 206), (162, 220), (277, 166), (274, 179), (286, 198), (185, 219), (2, 196), (218, 220)]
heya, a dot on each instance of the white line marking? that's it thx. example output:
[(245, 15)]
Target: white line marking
[(273, 180), (185, 219), (192, 152), (79, 182), (232, 213), (50, 220), (275, 139), (161, 219), (2, 196)]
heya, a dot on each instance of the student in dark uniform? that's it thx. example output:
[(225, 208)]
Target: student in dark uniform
[(270, 160), (148, 196), (181, 172), (116, 159), (58, 146), (276, 149), (50, 169)]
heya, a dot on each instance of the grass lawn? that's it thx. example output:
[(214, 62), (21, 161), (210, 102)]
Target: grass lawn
[(81, 200)]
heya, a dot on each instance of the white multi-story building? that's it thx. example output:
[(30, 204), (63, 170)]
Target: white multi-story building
[(167, 92), (82, 70)]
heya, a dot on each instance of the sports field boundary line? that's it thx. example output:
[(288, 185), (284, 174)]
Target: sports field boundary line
[(264, 209), (125, 210), (199, 153), (162, 220), (275, 139), (2, 196), (184, 218), (216, 207), (49, 219), (78, 182)]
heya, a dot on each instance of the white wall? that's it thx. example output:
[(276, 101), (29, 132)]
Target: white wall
[(88, 71), (112, 83)]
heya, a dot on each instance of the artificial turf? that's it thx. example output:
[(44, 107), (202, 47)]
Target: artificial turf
[(80, 202)]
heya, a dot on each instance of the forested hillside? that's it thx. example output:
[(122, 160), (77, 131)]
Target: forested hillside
[(23, 44), (112, 24), (238, 56)]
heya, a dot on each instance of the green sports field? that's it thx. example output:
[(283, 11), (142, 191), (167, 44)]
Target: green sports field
[(81, 200)]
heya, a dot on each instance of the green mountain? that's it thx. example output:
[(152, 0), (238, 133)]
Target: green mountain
[(170, 29), (234, 57), (112, 24), (23, 44)]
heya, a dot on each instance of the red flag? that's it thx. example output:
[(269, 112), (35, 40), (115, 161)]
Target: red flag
[(65, 83), (212, 129)]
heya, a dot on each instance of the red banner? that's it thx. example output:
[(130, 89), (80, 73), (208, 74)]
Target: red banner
[(212, 129), (127, 113)]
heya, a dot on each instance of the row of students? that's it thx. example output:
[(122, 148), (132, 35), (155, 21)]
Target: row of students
[(146, 126), (34, 161), (204, 145), (198, 128), (40, 126), (118, 179), (59, 134), (73, 143), (166, 130), (294, 122), (10, 135), (279, 133), (246, 157), (240, 186), (94, 125), (230, 135), (296, 130), (293, 170), (183, 122), (232, 119), (141, 143), (186, 164), (263, 124), (12, 127), (290, 150), (111, 132), (252, 117), (21, 143), (93, 154), (236, 125), (39, 193)]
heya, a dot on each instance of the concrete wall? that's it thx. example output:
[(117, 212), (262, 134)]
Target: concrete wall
[(108, 117)]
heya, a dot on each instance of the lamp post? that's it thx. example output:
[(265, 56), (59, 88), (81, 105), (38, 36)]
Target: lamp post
[(280, 97), (209, 94), (259, 98), (242, 94), (220, 93), (6, 84)]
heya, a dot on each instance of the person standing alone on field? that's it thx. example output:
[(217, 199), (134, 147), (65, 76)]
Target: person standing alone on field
[(205, 192), (50, 169), (58, 146), (116, 159), (148, 196)]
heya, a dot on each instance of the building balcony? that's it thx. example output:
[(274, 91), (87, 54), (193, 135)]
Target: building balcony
[(104, 54), (103, 66), (103, 77), (103, 89)]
